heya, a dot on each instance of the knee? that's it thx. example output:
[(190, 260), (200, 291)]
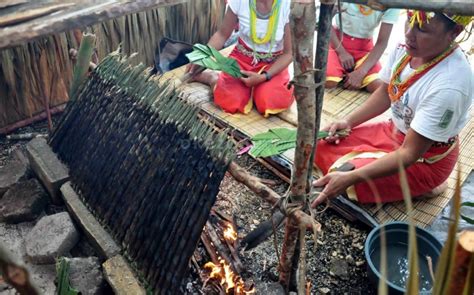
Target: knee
[(374, 85)]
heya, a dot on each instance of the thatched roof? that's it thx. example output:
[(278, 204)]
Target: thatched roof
[(22, 20)]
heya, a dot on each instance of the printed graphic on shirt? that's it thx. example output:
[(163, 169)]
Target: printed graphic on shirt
[(446, 119), (402, 111)]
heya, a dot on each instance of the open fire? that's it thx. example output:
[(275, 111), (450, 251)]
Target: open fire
[(222, 269), (227, 279)]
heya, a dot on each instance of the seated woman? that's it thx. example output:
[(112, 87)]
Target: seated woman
[(263, 52), (352, 54), (428, 85)]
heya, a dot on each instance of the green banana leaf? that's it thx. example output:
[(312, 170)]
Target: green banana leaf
[(467, 219), (62, 269), (279, 140), (209, 58)]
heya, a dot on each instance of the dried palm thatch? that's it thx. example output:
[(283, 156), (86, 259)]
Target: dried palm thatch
[(34, 74), (140, 33), (40, 72)]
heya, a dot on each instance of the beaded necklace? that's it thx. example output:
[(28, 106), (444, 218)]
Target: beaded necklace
[(365, 10), (397, 88), (270, 35)]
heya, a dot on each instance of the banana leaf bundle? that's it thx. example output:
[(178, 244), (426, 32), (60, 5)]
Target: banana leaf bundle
[(279, 140), (209, 58)]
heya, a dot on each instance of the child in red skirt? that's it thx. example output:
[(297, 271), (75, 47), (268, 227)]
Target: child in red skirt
[(352, 56)]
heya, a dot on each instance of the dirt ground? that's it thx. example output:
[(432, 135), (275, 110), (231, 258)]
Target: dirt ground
[(336, 266)]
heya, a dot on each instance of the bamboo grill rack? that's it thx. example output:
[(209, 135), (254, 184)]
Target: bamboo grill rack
[(337, 102), (148, 168)]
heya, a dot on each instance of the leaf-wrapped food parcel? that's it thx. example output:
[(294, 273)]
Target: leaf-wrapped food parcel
[(209, 58)]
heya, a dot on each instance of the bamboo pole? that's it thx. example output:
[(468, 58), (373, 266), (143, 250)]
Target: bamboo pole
[(41, 116), (450, 6), (464, 255), (303, 18)]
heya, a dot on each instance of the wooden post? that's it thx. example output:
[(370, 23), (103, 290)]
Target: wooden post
[(463, 261), (303, 20)]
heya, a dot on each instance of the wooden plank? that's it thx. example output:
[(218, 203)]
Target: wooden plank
[(75, 15), (461, 7)]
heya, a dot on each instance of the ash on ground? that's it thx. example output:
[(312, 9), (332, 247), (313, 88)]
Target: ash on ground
[(336, 266)]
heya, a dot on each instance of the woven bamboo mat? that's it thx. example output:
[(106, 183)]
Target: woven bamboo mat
[(337, 103)]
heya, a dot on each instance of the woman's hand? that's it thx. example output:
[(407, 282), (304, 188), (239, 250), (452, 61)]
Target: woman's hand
[(333, 137), (251, 78), (335, 183), (193, 69), (354, 79), (347, 61)]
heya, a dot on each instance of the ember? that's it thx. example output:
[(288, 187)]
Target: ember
[(232, 283), (230, 234)]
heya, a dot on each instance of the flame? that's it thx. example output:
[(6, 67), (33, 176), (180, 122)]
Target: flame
[(229, 233), (233, 284)]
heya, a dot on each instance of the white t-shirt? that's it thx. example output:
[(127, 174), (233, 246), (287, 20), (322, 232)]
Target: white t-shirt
[(437, 105), (242, 10), (356, 24)]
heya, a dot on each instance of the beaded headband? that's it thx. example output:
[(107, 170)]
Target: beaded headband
[(422, 17)]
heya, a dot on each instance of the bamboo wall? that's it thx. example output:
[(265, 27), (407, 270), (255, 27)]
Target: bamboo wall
[(42, 69)]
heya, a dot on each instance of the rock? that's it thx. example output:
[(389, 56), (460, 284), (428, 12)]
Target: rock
[(121, 278), (85, 275), (24, 201), (98, 236), (13, 172), (324, 290), (339, 268), (360, 263), (46, 165), (350, 259), (52, 237), (269, 288), (43, 276)]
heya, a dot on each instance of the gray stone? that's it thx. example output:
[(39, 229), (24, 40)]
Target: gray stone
[(339, 268), (43, 277), (121, 278), (85, 275), (269, 288), (11, 238), (98, 236), (14, 171), (52, 237), (47, 167), (24, 201)]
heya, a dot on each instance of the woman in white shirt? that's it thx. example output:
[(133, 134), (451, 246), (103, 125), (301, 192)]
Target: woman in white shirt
[(428, 85), (263, 52)]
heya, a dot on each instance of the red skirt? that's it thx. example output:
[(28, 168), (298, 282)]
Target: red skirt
[(368, 142), (270, 97), (359, 49)]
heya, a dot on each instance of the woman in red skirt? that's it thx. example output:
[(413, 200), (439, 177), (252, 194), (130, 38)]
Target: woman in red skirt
[(263, 53), (427, 84)]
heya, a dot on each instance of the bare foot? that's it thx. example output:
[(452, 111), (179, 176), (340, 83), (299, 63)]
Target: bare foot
[(207, 77), (437, 190)]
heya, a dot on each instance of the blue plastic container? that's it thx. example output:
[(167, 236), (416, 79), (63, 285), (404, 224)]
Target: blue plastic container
[(397, 259)]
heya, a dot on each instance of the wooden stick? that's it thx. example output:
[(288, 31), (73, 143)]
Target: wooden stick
[(242, 176), (455, 7), (221, 249), (41, 116), (209, 248), (463, 255)]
